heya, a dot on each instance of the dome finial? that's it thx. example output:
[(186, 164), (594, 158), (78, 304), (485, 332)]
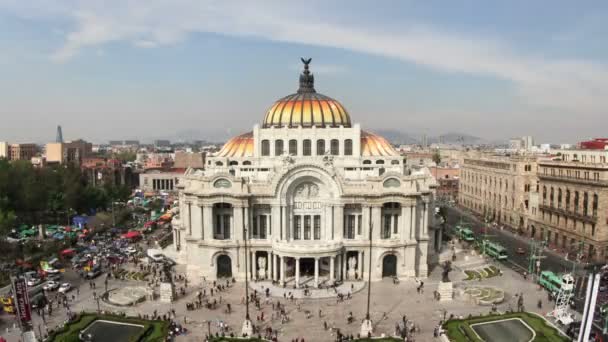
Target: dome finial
[(307, 80)]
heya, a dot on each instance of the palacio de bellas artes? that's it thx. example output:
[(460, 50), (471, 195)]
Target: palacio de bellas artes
[(302, 200)]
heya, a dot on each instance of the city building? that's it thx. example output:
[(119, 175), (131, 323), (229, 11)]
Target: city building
[(155, 180), (162, 143), (581, 155), (22, 151), (104, 171), (311, 191), (68, 152), (184, 160), (595, 144), (498, 187), (4, 149), (447, 177), (572, 211)]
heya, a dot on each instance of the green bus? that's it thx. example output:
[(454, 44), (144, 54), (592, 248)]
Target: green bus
[(466, 234), (495, 250), (550, 281)]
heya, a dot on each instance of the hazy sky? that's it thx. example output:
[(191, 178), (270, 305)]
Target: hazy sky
[(210, 69)]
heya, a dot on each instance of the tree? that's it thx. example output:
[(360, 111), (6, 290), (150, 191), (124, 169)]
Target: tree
[(437, 157), (7, 221)]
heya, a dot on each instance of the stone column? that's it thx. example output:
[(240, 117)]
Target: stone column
[(344, 260), (360, 264), (332, 261), (297, 275), (282, 261), (377, 221), (316, 272), (254, 273), (207, 227), (272, 273), (339, 221)]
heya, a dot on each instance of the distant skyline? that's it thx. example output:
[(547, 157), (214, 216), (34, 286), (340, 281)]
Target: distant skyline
[(196, 69)]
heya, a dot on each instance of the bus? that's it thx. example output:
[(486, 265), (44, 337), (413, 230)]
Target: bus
[(495, 250), (550, 281), (466, 234)]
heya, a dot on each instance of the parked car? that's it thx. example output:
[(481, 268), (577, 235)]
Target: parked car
[(65, 287), (50, 285), (56, 277), (130, 250)]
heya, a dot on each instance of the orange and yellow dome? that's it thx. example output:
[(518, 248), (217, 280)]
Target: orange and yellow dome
[(307, 110)]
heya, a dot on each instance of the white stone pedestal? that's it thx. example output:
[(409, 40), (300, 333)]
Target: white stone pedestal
[(446, 291), (367, 328), (247, 328), (167, 292)]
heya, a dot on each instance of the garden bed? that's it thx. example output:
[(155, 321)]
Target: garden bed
[(153, 331), (460, 330), (482, 273)]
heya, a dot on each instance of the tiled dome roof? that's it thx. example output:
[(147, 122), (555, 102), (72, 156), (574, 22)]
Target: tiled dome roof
[(306, 108)]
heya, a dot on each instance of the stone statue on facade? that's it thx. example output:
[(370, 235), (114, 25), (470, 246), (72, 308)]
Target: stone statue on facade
[(262, 268), (352, 267)]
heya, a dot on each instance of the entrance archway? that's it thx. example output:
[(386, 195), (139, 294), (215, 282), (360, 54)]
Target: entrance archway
[(224, 266), (389, 266)]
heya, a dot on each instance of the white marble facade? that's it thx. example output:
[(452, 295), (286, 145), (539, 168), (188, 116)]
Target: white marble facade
[(309, 191)]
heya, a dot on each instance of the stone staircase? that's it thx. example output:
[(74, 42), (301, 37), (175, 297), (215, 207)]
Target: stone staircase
[(446, 291)]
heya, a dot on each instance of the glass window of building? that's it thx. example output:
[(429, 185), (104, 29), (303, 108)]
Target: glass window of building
[(307, 148), (317, 227), (348, 147), (334, 147), (293, 147), (265, 148), (278, 147), (297, 227), (320, 147)]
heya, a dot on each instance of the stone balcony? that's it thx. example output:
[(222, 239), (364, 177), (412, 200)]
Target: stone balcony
[(567, 213)]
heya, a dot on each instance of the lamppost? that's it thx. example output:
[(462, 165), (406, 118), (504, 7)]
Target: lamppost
[(247, 327), (367, 327)]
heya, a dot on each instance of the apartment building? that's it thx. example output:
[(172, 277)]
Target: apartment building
[(573, 205), (498, 187)]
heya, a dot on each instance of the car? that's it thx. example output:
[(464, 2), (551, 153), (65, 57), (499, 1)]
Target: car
[(130, 250), (521, 250), (156, 257), (65, 287), (50, 285), (94, 273), (51, 270), (55, 277), (33, 281)]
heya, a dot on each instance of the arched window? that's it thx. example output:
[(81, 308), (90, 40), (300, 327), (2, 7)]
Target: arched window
[(380, 161), (293, 147), (234, 162), (551, 197), (320, 147), (278, 147), (334, 147), (246, 162), (367, 162), (396, 162), (219, 163), (585, 203), (567, 199), (559, 198), (265, 148), (348, 147), (307, 148), (576, 201)]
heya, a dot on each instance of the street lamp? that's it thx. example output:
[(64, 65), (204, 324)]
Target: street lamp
[(247, 327), (367, 327)]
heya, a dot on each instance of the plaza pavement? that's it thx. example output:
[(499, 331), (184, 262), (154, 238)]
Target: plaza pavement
[(388, 300)]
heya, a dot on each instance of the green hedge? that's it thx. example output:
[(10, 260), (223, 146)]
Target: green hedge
[(154, 331), (460, 330)]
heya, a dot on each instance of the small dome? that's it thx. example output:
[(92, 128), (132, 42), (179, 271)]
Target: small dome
[(373, 145), (306, 108), (239, 146)]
